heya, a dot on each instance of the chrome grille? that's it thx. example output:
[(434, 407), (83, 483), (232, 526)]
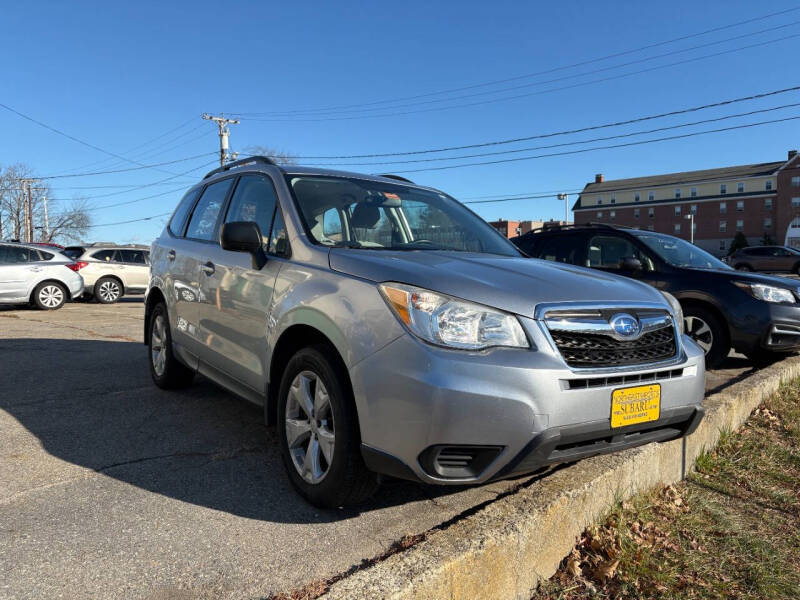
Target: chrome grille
[(587, 340)]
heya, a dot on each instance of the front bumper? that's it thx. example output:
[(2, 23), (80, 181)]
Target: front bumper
[(783, 330), (526, 406)]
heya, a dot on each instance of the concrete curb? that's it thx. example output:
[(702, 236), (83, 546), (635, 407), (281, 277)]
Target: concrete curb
[(506, 548)]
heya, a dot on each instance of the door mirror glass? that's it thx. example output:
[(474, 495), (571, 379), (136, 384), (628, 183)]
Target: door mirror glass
[(244, 236)]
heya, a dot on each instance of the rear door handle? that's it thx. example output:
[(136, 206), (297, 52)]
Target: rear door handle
[(171, 255), (208, 268)]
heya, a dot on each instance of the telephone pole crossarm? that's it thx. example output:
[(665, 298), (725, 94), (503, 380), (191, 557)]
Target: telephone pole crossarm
[(222, 125)]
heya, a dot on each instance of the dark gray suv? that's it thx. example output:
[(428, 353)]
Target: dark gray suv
[(387, 329)]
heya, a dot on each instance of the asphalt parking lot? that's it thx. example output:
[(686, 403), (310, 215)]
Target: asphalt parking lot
[(110, 487)]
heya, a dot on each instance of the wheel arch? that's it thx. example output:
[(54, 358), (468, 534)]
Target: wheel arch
[(38, 284), (689, 301), (291, 340), (154, 296)]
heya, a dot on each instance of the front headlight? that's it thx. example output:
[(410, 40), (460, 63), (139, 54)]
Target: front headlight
[(767, 293), (676, 308), (447, 321)]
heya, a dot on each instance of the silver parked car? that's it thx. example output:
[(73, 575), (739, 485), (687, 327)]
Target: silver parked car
[(31, 274), (387, 329)]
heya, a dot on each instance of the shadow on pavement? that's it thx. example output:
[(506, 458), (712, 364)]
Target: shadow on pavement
[(93, 404)]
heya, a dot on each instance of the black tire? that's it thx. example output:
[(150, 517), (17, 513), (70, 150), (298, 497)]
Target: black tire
[(700, 321), (49, 295), (346, 480), (173, 374), (108, 290)]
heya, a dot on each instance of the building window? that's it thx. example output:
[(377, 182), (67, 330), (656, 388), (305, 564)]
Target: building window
[(677, 192), (636, 197), (612, 214), (795, 202), (722, 245), (723, 226), (651, 196), (694, 192), (740, 206), (693, 209), (767, 223), (723, 189), (650, 212), (723, 208), (600, 214), (740, 187), (649, 228), (678, 210), (768, 203), (613, 199), (599, 201), (795, 181), (739, 225), (677, 228), (768, 184), (635, 213)]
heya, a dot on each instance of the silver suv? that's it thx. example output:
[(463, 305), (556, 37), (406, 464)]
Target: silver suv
[(111, 271), (387, 329)]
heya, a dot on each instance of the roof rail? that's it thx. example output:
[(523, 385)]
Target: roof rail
[(589, 224), (396, 177), (101, 244), (241, 162)]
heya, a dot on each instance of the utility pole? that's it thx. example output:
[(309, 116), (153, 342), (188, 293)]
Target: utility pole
[(222, 125), (46, 221), (565, 198), (27, 233)]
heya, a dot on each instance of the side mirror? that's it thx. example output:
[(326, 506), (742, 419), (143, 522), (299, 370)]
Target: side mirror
[(244, 236), (629, 263)]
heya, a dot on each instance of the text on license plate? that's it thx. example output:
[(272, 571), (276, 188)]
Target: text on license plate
[(633, 405)]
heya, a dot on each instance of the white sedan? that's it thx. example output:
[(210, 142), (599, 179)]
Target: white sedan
[(30, 274)]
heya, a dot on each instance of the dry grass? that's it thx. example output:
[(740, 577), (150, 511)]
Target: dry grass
[(731, 530)]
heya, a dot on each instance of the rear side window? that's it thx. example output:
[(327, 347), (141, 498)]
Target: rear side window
[(135, 257), (73, 252), (254, 200), (178, 222), (563, 249), (203, 223), (11, 255), (104, 255), (43, 255)]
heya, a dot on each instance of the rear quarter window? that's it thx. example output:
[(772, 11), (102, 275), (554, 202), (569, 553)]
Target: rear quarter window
[(177, 224)]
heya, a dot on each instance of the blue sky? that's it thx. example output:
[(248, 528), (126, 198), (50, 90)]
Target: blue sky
[(117, 75)]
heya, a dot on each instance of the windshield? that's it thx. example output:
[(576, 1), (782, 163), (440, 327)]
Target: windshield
[(680, 253), (357, 213)]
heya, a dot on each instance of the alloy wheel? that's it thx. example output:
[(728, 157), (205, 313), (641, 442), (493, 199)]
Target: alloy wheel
[(700, 332), (310, 430), (158, 345), (109, 291), (51, 296)]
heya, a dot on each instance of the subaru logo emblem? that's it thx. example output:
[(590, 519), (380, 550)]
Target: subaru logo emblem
[(625, 326)]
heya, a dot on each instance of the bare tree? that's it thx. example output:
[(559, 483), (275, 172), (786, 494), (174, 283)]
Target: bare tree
[(280, 157), (67, 220)]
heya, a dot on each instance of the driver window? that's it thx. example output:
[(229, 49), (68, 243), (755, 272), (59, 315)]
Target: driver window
[(371, 225), (607, 252)]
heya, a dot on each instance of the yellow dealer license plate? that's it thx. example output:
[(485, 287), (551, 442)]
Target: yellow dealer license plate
[(639, 404)]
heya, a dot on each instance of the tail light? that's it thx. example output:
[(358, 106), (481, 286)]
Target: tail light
[(77, 266)]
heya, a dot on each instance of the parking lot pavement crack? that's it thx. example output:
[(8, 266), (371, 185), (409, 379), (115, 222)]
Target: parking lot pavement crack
[(91, 333)]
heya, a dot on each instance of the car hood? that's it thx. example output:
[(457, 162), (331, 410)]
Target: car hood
[(750, 277), (512, 284)]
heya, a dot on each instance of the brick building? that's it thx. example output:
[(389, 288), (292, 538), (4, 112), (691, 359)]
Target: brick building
[(758, 200), (514, 228)]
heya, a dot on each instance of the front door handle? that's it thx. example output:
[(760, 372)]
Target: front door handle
[(208, 268), (171, 255)]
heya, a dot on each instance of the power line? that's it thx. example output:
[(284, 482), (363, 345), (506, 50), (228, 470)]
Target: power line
[(600, 139), (608, 147), (544, 72), (568, 131), (150, 218), (169, 162), (537, 93), (572, 76), (552, 196), (511, 196)]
